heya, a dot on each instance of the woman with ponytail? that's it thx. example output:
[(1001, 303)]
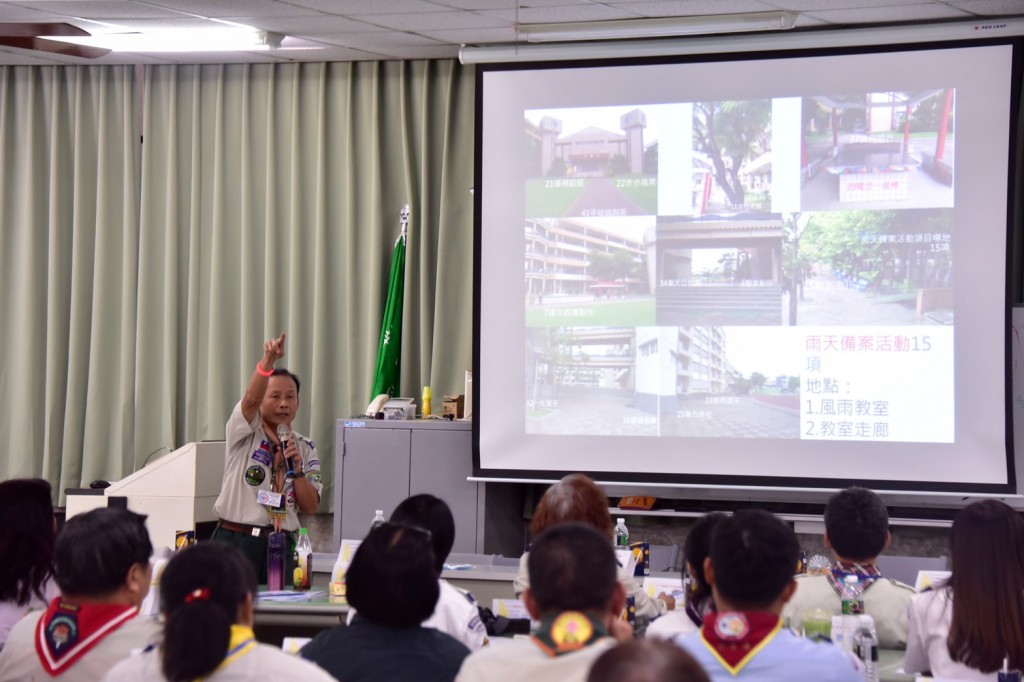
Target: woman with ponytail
[(207, 594)]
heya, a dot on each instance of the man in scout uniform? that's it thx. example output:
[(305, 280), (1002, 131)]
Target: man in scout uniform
[(750, 571), (857, 531), (255, 462), (101, 564), (576, 596)]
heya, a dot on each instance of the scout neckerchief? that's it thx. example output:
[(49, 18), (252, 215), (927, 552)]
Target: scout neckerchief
[(867, 574), (68, 631), (568, 631), (242, 642), (735, 638)]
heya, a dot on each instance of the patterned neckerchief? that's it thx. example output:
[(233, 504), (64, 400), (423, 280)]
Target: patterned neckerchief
[(867, 574), (734, 638), (568, 631)]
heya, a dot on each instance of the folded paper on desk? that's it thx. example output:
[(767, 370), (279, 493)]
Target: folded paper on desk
[(289, 595), (509, 608), (670, 586)]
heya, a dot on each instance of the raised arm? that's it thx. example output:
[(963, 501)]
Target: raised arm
[(273, 350)]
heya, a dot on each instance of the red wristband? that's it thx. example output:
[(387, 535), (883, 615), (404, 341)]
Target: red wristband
[(259, 370)]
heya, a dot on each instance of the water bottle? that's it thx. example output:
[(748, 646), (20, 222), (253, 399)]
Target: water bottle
[(621, 533), (1006, 674), (277, 546), (303, 574), (853, 596), (866, 645), (378, 520), (426, 402)]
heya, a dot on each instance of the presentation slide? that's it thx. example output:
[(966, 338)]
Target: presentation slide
[(776, 271)]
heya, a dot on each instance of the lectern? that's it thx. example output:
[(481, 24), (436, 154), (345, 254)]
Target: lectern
[(175, 492)]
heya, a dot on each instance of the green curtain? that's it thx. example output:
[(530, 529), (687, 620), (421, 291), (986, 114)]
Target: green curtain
[(270, 202), (68, 264), (155, 230)]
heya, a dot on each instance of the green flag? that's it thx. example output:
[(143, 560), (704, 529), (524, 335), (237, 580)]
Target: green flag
[(389, 349)]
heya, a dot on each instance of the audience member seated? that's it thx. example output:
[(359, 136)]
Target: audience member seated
[(456, 612), (646, 660), (577, 499), (576, 596), (750, 571), (26, 573), (699, 602), (392, 583), (101, 562), (965, 628), (206, 593), (857, 531)]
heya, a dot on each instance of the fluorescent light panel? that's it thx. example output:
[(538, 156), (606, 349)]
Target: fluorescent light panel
[(659, 27), (188, 40)]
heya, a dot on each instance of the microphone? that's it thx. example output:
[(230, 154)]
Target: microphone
[(283, 435)]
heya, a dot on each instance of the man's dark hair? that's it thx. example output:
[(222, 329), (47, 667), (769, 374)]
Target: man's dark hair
[(697, 548), (432, 514), (857, 524), (391, 580), (572, 567), (94, 551), (646, 660), (282, 372), (754, 555)]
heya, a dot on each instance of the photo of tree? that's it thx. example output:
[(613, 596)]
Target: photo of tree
[(732, 155), (869, 267)]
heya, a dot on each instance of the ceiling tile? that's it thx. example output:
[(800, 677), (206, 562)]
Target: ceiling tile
[(476, 36), (889, 13), (103, 9), (685, 8), (853, 5), (230, 8), (538, 15), (990, 7), (434, 20), (322, 24), (360, 7)]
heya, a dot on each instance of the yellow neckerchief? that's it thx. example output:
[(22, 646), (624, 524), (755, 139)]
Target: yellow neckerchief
[(243, 641)]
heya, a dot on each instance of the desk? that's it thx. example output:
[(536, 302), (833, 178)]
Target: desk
[(889, 663), (273, 620)]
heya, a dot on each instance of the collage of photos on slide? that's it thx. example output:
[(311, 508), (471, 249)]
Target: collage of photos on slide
[(669, 253)]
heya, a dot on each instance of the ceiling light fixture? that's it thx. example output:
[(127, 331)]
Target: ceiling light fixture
[(242, 39), (658, 27)]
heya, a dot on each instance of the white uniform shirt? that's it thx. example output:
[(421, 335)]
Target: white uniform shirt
[(19, 661), (930, 616), (885, 600), (521, 660), (456, 614), (247, 470), (646, 607), (673, 623), (11, 613), (262, 663)]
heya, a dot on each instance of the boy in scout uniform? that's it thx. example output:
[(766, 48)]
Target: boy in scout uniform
[(857, 531), (256, 462), (750, 571)]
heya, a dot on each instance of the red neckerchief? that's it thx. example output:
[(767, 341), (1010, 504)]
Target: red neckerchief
[(734, 638), (68, 631), (866, 573)]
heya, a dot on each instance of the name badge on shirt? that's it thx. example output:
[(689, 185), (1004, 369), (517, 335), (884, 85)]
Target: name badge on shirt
[(269, 499)]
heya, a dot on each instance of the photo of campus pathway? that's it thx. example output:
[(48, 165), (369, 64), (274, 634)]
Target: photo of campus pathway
[(750, 416)]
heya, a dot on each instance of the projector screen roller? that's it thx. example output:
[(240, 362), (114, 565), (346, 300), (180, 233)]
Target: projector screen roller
[(781, 271)]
